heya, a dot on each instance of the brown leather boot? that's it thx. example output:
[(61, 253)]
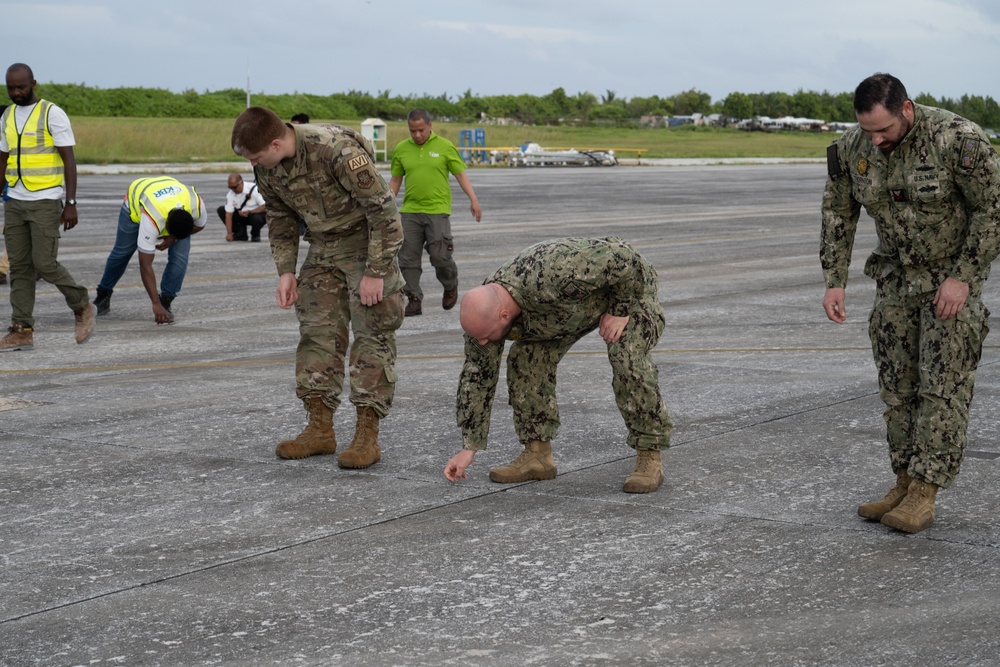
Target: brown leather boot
[(19, 338), (877, 508), (648, 473), (535, 462), (449, 298), (364, 450), (317, 437), (84, 322), (413, 307), (916, 512)]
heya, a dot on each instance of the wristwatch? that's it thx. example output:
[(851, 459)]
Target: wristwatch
[(70, 202)]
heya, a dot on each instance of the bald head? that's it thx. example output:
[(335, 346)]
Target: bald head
[(234, 182), (479, 310), (487, 312)]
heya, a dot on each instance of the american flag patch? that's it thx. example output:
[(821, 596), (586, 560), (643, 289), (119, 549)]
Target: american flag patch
[(969, 151)]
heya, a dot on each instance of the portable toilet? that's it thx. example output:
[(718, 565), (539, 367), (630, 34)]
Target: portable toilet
[(375, 131)]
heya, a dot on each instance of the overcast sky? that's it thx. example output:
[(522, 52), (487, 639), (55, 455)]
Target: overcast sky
[(632, 47)]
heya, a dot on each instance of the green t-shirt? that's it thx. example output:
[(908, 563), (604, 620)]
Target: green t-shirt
[(426, 170)]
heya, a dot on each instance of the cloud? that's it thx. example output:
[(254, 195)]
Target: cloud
[(532, 34)]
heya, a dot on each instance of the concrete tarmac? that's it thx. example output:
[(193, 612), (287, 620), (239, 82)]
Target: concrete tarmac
[(144, 519)]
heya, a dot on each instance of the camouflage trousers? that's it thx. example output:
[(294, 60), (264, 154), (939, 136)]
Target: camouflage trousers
[(328, 308), (927, 373), (531, 381)]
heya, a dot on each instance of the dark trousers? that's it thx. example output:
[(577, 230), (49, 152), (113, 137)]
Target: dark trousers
[(254, 221)]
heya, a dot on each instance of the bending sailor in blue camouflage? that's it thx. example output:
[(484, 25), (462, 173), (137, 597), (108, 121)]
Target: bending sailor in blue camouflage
[(545, 299), (325, 175), (931, 182)]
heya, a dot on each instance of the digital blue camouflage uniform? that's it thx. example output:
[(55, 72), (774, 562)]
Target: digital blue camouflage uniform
[(563, 287), (935, 200), (354, 230)]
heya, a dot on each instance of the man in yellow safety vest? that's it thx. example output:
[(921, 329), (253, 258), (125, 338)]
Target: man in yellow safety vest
[(39, 168)]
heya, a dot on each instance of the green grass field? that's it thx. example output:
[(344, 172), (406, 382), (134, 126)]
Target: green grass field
[(143, 140)]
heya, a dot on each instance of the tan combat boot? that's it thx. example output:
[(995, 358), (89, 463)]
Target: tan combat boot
[(535, 462), (877, 508), (648, 473), (317, 437), (84, 322), (19, 338), (916, 512), (364, 450)]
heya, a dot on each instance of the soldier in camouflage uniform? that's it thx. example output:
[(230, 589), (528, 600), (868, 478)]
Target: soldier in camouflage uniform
[(545, 299), (325, 175), (931, 182)]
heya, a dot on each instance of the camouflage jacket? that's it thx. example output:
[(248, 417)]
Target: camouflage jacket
[(333, 185), (935, 200), (562, 287)]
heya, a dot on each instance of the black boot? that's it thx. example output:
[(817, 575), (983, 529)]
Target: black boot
[(103, 301), (165, 301)]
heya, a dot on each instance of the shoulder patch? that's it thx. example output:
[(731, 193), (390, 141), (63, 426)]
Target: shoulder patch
[(357, 162), (365, 179), (833, 168), (970, 150)]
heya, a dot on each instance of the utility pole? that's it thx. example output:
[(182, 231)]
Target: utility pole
[(248, 85)]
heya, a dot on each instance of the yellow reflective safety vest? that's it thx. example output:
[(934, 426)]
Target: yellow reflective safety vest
[(159, 195), (33, 158)]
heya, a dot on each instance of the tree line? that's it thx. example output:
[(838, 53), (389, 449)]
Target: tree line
[(556, 108)]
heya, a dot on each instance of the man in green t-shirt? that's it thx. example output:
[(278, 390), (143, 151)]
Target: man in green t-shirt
[(426, 159)]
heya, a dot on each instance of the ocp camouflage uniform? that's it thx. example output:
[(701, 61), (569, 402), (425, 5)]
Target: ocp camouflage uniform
[(563, 287), (354, 230), (935, 200)]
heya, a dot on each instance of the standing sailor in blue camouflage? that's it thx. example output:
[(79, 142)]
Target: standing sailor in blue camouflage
[(325, 175), (545, 299), (931, 181)]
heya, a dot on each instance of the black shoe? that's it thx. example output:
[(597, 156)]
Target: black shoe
[(3, 278), (165, 301), (255, 239), (102, 302)]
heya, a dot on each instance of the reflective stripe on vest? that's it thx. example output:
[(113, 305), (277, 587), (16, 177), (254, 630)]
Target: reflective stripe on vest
[(159, 195), (33, 159)]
